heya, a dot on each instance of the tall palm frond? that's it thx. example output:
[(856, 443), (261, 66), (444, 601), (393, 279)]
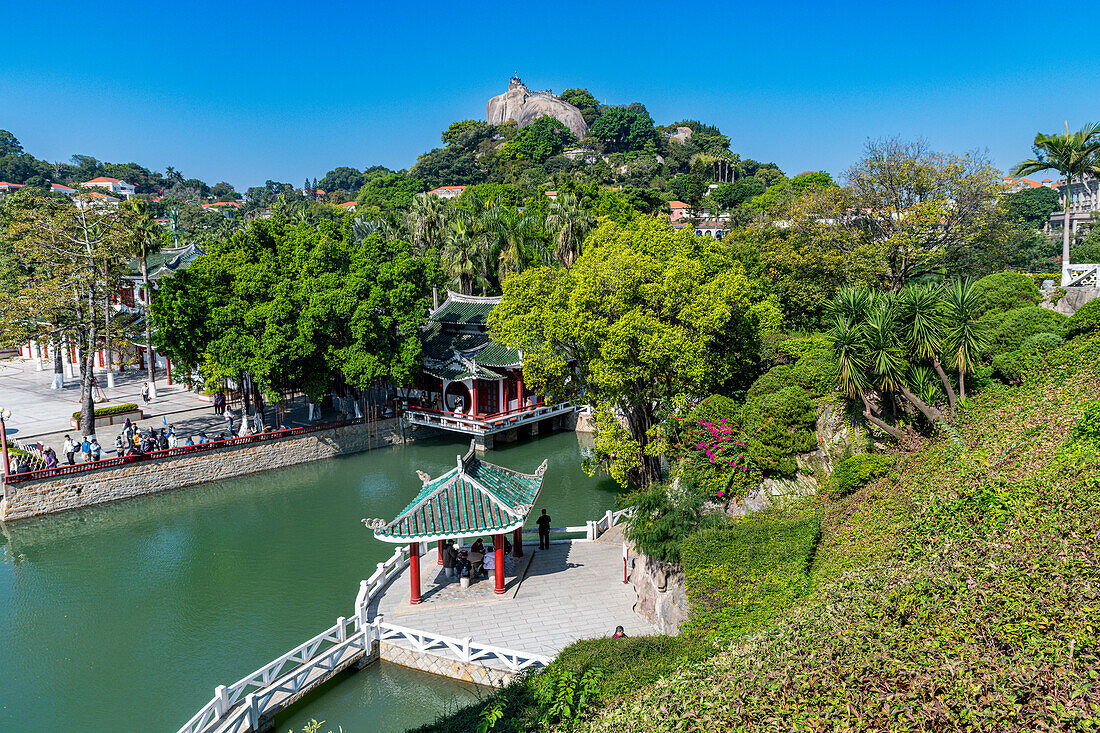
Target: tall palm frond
[(966, 336), (568, 223)]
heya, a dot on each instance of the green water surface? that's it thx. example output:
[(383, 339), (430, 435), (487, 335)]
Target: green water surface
[(124, 617)]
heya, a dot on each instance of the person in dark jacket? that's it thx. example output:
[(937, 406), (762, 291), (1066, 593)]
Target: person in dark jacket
[(450, 558)]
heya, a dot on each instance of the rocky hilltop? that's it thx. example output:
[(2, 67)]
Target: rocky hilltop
[(524, 106)]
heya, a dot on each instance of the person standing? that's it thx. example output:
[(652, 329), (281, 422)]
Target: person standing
[(70, 450), (86, 450), (145, 392), (51, 458), (119, 446), (229, 422), (96, 450), (450, 559), (544, 530)]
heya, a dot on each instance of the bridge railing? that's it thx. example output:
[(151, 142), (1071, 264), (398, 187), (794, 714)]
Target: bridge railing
[(464, 650)]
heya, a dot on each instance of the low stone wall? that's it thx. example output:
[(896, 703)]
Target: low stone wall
[(47, 495), (662, 594), (428, 662)]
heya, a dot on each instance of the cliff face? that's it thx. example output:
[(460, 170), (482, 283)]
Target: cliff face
[(524, 106)]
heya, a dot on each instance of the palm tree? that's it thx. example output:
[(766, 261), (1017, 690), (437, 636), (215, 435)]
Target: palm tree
[(463, 255), (1072, 154), (145, 240), (426, 220), (966, 337), (922, 320), (568, 223), (511, 233)]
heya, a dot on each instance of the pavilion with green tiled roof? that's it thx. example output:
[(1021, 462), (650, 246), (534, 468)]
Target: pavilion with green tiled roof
[(473, 499)]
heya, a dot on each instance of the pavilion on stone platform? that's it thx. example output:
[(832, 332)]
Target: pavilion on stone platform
[(471, 500)]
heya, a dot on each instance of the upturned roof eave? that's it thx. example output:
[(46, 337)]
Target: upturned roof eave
[(406, 539)]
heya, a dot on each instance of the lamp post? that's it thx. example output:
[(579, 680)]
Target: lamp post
[(4, 414)]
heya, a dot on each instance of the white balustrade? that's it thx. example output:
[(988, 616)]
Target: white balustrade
[(241, 706)]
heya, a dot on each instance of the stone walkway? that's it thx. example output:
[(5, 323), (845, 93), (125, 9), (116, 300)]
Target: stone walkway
[(572, 591), (42, 414)]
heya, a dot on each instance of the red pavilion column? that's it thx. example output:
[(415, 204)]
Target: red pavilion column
[(439, 552), (168, 366), (473, 398), (414, 572), (517, 542), (519, 391), (499, 551)]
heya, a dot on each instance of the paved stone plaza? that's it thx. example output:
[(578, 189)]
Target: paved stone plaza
[(572, 591)]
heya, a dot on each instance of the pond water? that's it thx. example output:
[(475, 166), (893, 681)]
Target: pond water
[(125, 617)]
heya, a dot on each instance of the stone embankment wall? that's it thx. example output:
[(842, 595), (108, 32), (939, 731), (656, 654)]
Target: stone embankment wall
[(428, 662), (47, 495), (662, 594)]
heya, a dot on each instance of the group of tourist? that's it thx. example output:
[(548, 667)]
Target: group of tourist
[(476, 561)]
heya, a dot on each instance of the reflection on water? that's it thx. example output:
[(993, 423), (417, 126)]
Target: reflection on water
[(124, 617)]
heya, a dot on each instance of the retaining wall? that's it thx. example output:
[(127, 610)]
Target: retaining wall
[(428, 662), (43, 496)]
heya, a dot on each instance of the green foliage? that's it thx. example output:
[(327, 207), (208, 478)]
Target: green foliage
[(645, 313), (1085, 319), (112, 410), (544, 137), (390, 190), (623, 129), (1005, 291), (1013, 366), (1011, 328), (1087, 429), (743, 574), (583, 100), (661, 522), (856, 472), (342, 179), (777, 426), (1032, 207), (729, 195), (699, 475)]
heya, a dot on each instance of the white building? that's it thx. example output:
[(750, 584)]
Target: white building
[(446, 192), (113, 185)]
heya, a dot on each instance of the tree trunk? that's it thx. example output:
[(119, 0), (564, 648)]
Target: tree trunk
[(1065, 231), (929, 412), (951, 399), (641, 420), (962, 385), (246, 402), (151, 364), (58, 365), (892, 432), (87, 372)]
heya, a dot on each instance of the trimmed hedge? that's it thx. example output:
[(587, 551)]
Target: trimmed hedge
[(108, 411), (1086, 319), (1010, 330), (777, 426), (856, 472), (1011, 368), (1005, 291)]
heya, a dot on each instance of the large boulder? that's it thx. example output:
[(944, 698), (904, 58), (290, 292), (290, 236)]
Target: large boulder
[(524, 106)]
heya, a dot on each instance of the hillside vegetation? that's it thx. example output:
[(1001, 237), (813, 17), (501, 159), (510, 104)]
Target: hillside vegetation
[(960, 591)]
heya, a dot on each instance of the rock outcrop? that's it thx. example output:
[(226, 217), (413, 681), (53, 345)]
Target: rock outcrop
[(1067, 300), (524, 106)]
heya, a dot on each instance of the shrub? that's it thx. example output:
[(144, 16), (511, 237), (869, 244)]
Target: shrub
[(661, 522), (777, 427), (1085, 320), (1087, 429), (1010, 368), (1040, 277), (740, 575), (697, 473), (113, 410), (1005, 291), (1010, 330), (856, 472)]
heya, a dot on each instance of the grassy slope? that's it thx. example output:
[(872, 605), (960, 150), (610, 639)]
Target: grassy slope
[(961, 592)]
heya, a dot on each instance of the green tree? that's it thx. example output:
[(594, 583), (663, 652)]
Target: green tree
[(645, 314), (9, 144), (458, 130), (544, 137), (583, 100), (391, 190), (342, 178), (145, 239), (1032, 206), (568, 224), (1073, 155), (622, 129)]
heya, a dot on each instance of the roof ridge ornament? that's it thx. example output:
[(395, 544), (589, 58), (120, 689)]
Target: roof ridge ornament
[(424, 478)]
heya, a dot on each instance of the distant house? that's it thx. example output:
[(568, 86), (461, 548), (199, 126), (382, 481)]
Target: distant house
[(95, 199), (1019, 184), (113, 185), (679, 210), (58, 188), (6, 187), (446, 192), (552, 195), (349, 206)]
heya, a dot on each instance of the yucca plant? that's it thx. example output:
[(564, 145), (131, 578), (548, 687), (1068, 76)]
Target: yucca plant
[(966, 337)]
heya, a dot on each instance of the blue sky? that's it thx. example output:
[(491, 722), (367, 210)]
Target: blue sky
[(248, 91)]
